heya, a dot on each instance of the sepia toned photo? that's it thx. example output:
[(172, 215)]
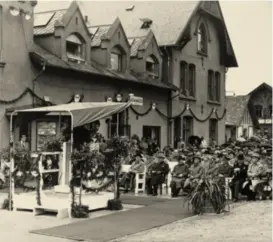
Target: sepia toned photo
[(135, 121)]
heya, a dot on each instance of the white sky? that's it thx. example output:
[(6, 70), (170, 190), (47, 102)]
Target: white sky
[(249, 24)]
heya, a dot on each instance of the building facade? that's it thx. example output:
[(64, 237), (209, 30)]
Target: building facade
[(239, 121), (175, 61), (261, 109)]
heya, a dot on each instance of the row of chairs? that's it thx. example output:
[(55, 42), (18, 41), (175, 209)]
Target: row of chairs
[(140, 180)]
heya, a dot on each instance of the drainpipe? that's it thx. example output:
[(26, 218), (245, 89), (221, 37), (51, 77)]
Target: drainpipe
[(35, 79), (169, 102)]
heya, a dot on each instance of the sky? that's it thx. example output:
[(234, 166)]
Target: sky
[(249, 24)]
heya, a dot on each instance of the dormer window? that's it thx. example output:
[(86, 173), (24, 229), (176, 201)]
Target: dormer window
[(152, 66), (202, 42), (116, 59), (74, 48)]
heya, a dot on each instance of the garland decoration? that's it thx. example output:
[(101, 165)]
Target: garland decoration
[(223, 115), (201, 120), (25, 92), (141, 114), (180, 114)]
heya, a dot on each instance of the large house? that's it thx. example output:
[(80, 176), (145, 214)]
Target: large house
[(174, 55)]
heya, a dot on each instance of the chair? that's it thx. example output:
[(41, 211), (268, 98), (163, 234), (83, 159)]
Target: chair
[(168, 179), (140, 179), (227, 188)]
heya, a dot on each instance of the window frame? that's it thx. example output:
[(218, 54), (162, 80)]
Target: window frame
[(260, 111), (187, 80), (154, 72), (80, 46), (202, 36)]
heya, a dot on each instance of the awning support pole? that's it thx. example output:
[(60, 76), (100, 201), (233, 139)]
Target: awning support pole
[(70, 165), (11, 169)]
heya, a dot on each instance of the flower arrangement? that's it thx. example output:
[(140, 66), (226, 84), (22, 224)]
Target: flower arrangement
[(207, 194), (52, 144)]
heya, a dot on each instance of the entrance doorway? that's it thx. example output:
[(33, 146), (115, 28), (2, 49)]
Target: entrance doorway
[(177, 130), (187, 128), (213, 134), (152, 132)]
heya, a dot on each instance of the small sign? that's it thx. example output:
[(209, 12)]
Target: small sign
[(136, 101), (265, 121)]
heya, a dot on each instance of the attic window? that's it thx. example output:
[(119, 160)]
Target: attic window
[(152, 66), (146, 23), (74, 48), (130, 8)]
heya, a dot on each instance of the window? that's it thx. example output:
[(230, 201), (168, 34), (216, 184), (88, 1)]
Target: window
[(217, 86), (152, 66), (187, 79), (187, 128), (269, 111), (74, 48), (202, 39), (259, 111), (118, 125), (183, 76), (213, 130), (116, 59), (191, 80), (214, 86), (210, 85), (45, 131)]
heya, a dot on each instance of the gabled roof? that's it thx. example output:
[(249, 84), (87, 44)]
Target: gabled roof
[(97, 33), (141, 43), (39, 56), (236, 106), (59, 16), (260, 87)]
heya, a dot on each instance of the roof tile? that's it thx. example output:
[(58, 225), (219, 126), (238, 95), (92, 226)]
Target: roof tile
[(93, 68), (96, 38), (49, 28), (235, 109)]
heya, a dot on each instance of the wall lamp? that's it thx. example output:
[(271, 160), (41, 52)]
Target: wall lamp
[(15, 11), (153, 106)]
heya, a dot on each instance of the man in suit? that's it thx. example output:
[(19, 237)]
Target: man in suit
[(158, 172), (23, 145)]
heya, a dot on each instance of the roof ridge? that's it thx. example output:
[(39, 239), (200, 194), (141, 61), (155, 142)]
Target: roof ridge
[(97, 26), (49, 11)]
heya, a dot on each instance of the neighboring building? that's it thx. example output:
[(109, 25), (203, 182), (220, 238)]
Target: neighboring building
[(238, 122), (261, 109), (172, 54)]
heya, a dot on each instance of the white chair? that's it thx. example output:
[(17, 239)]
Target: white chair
[(140, 182), (168, 180), (227, 188)]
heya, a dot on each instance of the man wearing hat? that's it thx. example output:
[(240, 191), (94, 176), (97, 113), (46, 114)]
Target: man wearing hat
[(157, 172), (254, 172), (239, 177), (179, 175), (195, 173)]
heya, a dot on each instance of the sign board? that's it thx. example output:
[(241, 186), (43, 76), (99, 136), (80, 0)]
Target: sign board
[(265, 121), (136, 101)]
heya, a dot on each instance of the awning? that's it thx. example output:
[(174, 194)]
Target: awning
[(82, 113)]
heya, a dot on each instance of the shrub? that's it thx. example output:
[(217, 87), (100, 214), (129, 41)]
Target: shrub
[(114, 204)]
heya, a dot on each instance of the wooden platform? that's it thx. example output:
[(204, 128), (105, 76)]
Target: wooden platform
[(59, 203)]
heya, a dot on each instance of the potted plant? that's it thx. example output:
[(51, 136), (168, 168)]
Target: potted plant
[(208, 196)]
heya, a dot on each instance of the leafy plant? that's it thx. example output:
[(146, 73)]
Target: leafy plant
[(207, 193), (52, 144), (114, 204), (80, 211)]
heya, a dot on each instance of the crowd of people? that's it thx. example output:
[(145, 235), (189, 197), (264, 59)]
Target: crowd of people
[(247, 165)]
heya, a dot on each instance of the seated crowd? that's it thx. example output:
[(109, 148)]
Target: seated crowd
[(247, 169)]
